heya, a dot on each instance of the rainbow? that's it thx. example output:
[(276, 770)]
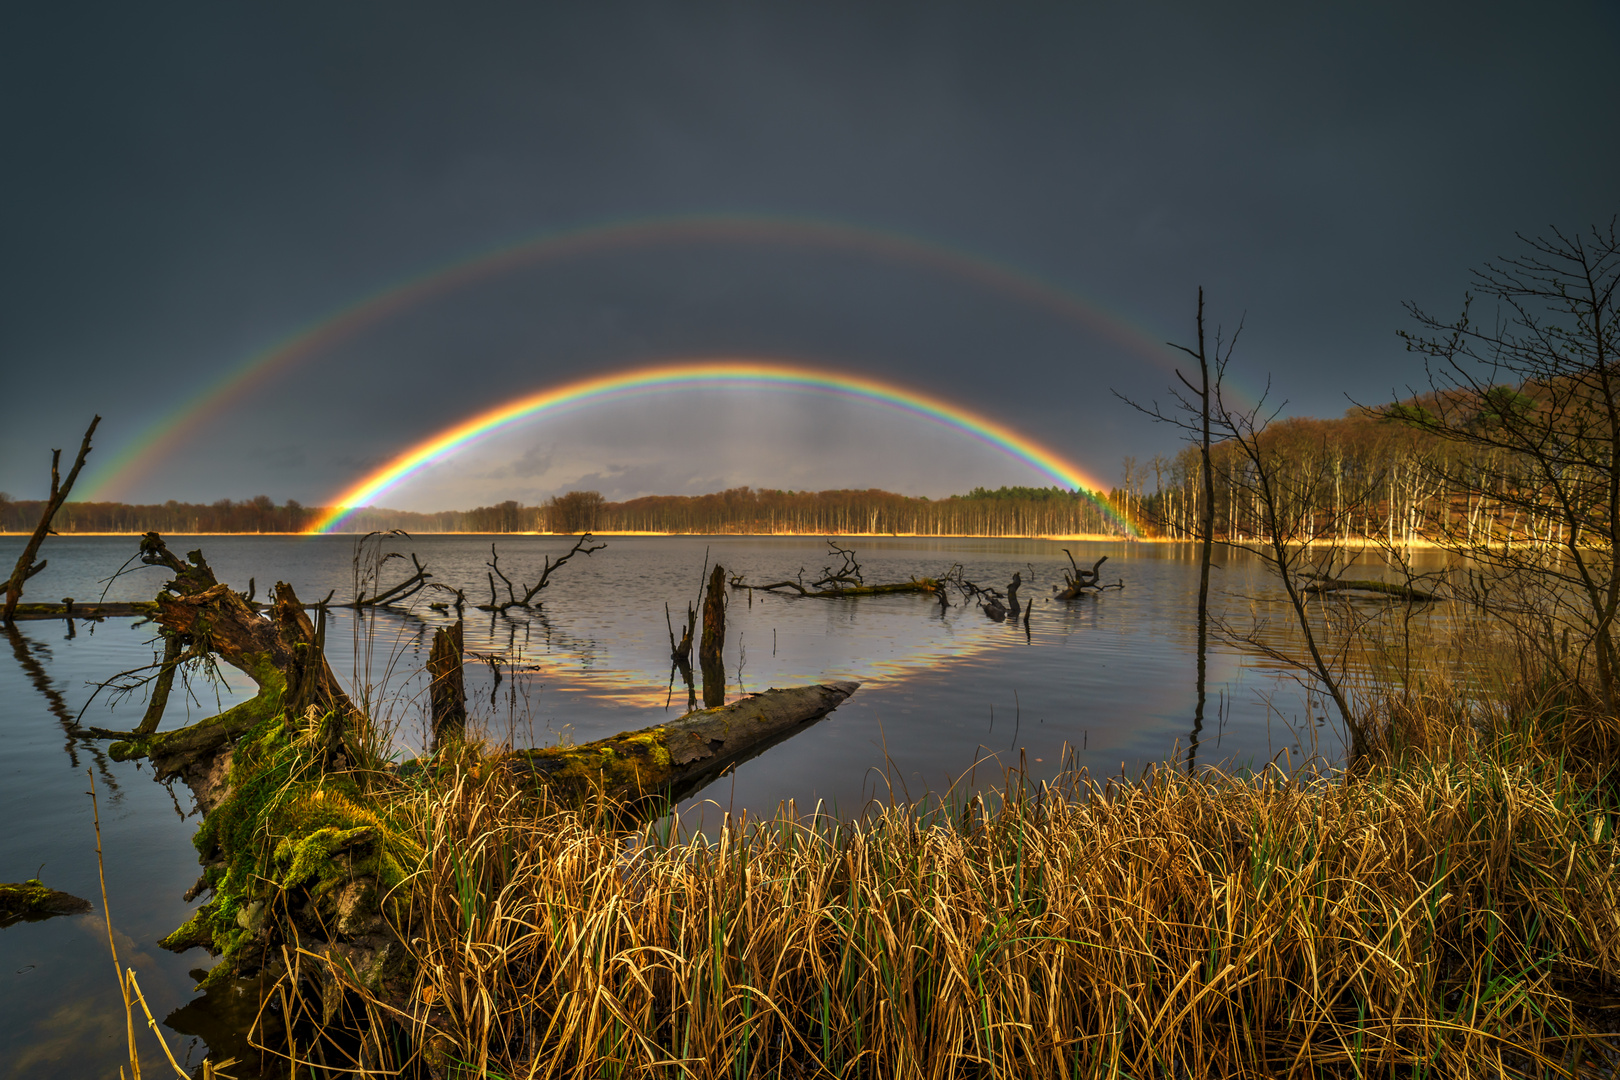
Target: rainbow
[(738, 373), (118, 473)]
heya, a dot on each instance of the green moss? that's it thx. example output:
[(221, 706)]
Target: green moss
[(265, 706), (625, 766), (289, 824), (194, 932), (33, 899)]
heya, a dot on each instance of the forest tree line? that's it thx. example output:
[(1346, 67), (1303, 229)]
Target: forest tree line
[(1381, 475), (1369, 475), (1002, 512)]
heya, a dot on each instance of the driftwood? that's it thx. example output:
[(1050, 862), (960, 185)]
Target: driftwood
[(989, 600), (582, 545), (840, 581), (673, 760), (916, 585), (282, 651), (681, 652), (26, 566), (282, 654), (391, 595), (72, 609), (1076, 583)]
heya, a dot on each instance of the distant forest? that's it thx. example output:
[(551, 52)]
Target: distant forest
[(1368, 475), (1003, 512)]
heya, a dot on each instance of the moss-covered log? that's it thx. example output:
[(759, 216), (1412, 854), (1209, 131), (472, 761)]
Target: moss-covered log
[(279, 649), (280, 652), (32, 900), (301, 843), (670, 761)]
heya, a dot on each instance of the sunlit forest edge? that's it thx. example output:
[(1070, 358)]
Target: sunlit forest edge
[(1403, 482)]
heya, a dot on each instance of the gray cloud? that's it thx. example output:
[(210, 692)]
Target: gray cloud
[(188, 186)]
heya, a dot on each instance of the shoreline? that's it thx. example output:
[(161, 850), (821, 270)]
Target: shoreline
[(1056, 537), (637, 532)]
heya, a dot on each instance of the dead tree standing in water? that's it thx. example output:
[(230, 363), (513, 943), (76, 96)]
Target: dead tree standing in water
[(714, 639), (26, 567), (1193, 413)]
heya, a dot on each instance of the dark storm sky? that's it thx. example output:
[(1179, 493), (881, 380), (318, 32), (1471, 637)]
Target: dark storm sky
[(183, 186)]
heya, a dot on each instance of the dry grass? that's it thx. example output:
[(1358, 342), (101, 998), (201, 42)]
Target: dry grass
[(1449, 915)]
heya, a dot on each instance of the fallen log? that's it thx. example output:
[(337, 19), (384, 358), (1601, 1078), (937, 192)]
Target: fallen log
[(72, 609), (306, 833), (840, 581), (915, 585), (281, 653), (672, 760), (1400, 592), (31, 900)]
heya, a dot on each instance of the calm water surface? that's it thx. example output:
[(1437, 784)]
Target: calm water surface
[(1108, 679)]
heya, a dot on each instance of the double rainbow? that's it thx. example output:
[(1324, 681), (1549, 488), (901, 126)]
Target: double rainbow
[(734, 373), (115, 475)]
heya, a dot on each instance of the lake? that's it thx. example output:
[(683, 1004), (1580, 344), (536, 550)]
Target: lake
[(1106, 682)]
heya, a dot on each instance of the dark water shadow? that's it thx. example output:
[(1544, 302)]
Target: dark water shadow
[(26, 651)]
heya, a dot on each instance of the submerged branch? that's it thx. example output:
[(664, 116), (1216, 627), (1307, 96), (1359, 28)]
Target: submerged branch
[(582, 545), (1075, 584)]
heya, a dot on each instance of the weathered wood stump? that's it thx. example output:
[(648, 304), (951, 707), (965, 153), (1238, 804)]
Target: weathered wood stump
[(447, 691), (711, 650)]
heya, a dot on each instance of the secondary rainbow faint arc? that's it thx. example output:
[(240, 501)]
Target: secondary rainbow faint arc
[(724, 372), (164, 436)]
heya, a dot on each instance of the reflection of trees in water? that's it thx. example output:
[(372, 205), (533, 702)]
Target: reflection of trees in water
[(28, 654), (518, 638)]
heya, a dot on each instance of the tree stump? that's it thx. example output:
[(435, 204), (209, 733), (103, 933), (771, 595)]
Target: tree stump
[(448, 689), (714, 640)]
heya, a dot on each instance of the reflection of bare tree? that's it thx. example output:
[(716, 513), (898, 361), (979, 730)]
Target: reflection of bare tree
[(25, 651)]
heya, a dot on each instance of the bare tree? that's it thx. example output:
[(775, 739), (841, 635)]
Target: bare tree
[(1285, 494), (1534, 393), (26, 567), (1192, 414)]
